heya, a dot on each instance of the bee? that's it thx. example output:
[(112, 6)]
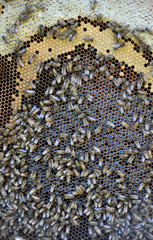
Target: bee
[(151, 63), (99, 18), (68, 149), (123, 156), (121, 110), (41, 29), (78, 68), (61, 22), (119, 180), (69, 66), (141, 118), (19, 61), (56, 64), (5, 39), (125, 85), (20, 53), (137, 144), (50, 33), (128, 90), (146, 101), (37, 158), (125, 124), (96, 149), (142, 92), (135, 197), (76, 108), (23, 17), (19, 238), (94, 4), (40, 6), (29, 92), (34, 110), (121, 186), (86, 71), (146, 154), (88, 134), (71, 36), (88, 39), (121, 174), (141, 75), (117, 82), (130, 159), (31, 58), (103, 68), (47, 66), (69, 196), (118, 45), (92, 119), (135, 116), (136, 125), (121, 103), (40, 68), (110, 127), (47, 150), (81, 116), (147, 126), (79, 81), (141, 186), (63, 135), (150, 154), (85, 122), (89, 97)]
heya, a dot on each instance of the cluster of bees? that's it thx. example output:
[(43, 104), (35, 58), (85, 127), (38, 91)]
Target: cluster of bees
[(72, 156), (23, 17)]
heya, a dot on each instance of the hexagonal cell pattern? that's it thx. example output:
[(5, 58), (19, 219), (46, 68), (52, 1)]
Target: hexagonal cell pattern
[(77, 155)]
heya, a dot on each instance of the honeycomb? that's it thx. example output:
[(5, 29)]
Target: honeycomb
[(76, 135)]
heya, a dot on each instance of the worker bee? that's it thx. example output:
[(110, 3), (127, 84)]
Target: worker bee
[(37, 158), (96, 149), (125, 85), (130, 159), (118, 45), (41, 29), (40, 68), (19, 238), (121, 174), (123, 156), (135, 116), (40, 6), (136, 125), (127, 106), (81, 130), (88, 39), (85, 122), (92, 119), (19, 61), (110, 127), (29, 92), (120, 180), (117, 82), (71, 36), (141, 118), (137, 144), (31, 58), (94, 4), (121, 103), (88, 134), (5, 39)]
